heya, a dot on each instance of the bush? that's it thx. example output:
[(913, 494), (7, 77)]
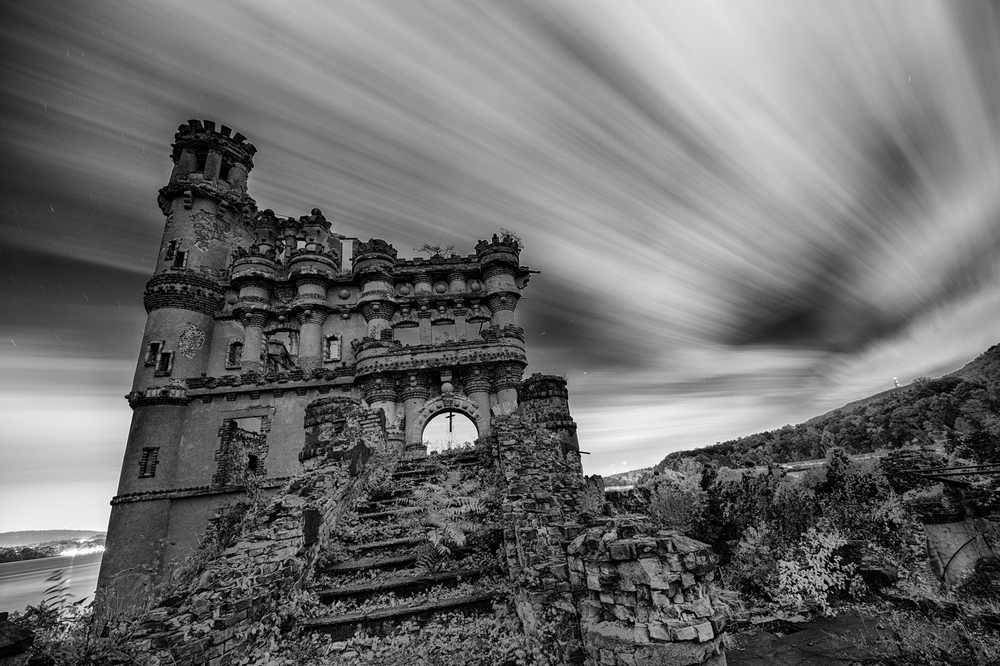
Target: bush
[(813, 573), (677, 502)]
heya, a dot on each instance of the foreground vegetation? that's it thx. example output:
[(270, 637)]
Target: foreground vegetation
[(845, 534)]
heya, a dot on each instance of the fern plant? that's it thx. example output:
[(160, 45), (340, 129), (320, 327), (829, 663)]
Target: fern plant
[(448, 511)]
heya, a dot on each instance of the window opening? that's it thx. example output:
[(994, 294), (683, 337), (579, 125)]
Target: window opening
[(331, 348), (147, 464), (408, 335), (449, 430), (164, 364), (224, 171), (153, 352), (242, 450), (443, 333), (282, 348), (171, 249), (234, 355), (202, 159), (180, 259)]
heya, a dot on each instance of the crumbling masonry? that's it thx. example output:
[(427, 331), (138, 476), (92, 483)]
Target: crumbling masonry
[(267, 363)]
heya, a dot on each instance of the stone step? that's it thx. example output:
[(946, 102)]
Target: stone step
[(383, 620), (436, 463), (396, 493), (390, 563), (367, 563), (408, 584), (394, 514), (418, 473), (385, 545)]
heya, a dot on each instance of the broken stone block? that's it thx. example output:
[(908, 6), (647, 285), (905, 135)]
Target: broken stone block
[(704, 631), (619, 550), (658, 632)]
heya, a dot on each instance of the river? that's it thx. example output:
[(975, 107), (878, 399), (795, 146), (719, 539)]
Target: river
[(24, 583)]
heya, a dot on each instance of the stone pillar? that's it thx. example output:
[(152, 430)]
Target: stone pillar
[(424, 321), (311, 339), (477, 387), (461, 327), (381, 393), (253, 341), (506, 379), (414, 396), (502, 309)]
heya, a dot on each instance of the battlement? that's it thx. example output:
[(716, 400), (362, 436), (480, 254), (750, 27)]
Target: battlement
[(376, 247), (204, 132)]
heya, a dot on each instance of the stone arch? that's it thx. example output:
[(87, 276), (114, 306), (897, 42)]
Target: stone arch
[(442, 403)]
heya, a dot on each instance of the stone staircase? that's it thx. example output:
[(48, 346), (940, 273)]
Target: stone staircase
[(380, 573)]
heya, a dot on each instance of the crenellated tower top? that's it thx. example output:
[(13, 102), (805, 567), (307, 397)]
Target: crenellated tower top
[(214, 160)]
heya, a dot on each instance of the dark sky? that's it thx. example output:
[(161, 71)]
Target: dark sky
[(745, 213)]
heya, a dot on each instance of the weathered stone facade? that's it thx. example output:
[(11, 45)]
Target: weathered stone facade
[(253, 316), (270, 379)]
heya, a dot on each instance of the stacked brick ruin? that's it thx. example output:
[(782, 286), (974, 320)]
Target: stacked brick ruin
[(588, 589), (220, 610), (647, 597)]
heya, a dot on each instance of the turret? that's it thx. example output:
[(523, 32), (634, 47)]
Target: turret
[(502, 276), (207, 209), (373, 264)]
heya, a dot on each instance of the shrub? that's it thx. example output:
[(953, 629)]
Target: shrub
[(813, 573), (677, 501)]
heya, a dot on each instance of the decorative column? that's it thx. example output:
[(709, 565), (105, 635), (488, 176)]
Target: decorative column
[(477, 387), (414, 394), (382, 393), (506, 379), (311, 338), (253, 341), (501, 271), (373, 264), (424, 321)]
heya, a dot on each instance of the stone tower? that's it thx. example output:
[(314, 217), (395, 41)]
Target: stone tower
[(254, 316)]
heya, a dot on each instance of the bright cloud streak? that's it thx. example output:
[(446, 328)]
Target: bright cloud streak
[(745, 213)]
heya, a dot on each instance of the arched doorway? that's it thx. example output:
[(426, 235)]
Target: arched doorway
[(457, 404), (448, 430)]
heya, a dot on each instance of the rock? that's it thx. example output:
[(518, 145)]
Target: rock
[(878, 578)]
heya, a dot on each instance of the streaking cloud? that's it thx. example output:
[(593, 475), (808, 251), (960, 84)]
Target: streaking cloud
[(745, 213)]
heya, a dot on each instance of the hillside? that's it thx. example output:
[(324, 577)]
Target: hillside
[(33, 537), (958, 411)]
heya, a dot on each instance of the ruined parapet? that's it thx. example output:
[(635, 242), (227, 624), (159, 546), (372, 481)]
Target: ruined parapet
[(647, 597), (541, 496), (337, 429), (228, 600), (544, 401)]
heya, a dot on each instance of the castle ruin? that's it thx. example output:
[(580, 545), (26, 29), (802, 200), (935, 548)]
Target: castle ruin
[(269, 360)]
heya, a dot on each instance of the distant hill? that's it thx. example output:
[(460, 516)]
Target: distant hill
[(629, 478), (958, 411), (32, 537)]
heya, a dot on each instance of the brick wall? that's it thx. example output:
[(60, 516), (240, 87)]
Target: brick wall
[(647, 597), (235, 602)]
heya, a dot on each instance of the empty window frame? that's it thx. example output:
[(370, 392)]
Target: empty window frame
[(164, 364), (407, 335), (331, 348), (147, 464), (180, 259), (153, 352), (234, 355)]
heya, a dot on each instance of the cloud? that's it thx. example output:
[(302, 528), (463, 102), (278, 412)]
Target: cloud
[(756, 204)]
